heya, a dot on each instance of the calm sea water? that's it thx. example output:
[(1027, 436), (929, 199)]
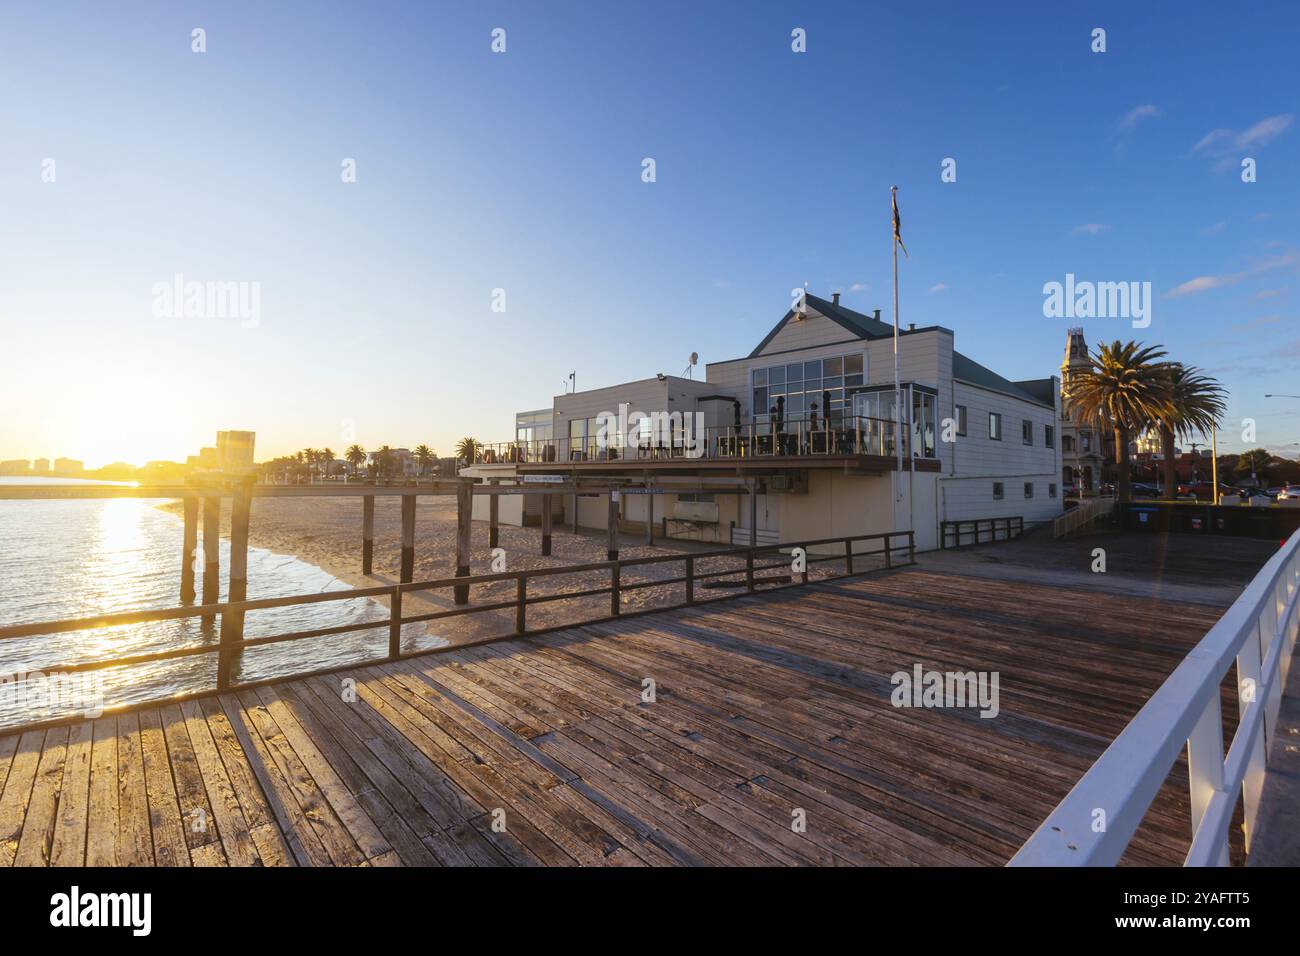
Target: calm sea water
[(76, 558)]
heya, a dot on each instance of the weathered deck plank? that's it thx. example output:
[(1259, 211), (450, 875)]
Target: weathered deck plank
[(542, 751)]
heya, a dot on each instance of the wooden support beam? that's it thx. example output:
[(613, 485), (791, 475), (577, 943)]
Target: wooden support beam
[(367, 534), (464, 527), (408, 539), (189, 549), (546, 524), (649, 517), (232, 622), (211, 550), (575, 512), (494, 518), (611, 546), (753, 514)]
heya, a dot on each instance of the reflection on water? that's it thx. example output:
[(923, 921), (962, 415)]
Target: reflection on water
[(77, 558)]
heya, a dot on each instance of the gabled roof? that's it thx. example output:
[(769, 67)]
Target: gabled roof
[(973, 373), (862, 326)]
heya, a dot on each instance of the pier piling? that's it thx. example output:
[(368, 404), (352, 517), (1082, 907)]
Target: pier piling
[(367, 533), (189, 549), (232, 622), (611, 523), (211, 550), (494, 518), (408, 539), (546, 525), (464, 525)]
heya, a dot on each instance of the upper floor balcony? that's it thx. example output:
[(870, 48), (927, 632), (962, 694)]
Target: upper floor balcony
[(855, 443)]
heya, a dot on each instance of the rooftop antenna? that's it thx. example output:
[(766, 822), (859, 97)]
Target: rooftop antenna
[(695, 357), (573, 381)]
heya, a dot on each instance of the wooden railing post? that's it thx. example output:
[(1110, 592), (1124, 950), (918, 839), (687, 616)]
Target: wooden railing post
[(848, 555), (546, 525), (911, 546), (889, 549), (749, 569), (615, 595), (395, 623), (521, 604), (494, 517), (690, 579), (611, 529)]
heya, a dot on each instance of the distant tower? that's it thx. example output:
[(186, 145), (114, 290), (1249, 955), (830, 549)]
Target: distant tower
[(1082, 451)]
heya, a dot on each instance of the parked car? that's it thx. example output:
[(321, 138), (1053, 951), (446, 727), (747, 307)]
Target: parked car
[(1288, 492), (1204, 490), (1140, 489)]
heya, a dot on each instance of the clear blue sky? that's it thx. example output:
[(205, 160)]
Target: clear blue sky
[(522, 171)]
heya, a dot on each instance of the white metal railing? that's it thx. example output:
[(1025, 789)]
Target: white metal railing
[(1086, 513), (1095, 822)]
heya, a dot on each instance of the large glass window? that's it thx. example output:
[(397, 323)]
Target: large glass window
[(802, 384)]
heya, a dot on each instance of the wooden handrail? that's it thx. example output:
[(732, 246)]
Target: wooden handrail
[(228, 650)]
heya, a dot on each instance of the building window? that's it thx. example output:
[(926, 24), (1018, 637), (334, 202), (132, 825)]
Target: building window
[(1029, 489), (961, 420), (696, 496), (1049, 436), (1067, 443), (997, 491), (1027, 431), (795, 387), (995, 426), (1085, 441), (1051, 490)]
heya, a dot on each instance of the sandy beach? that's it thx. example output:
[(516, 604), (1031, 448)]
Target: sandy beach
[(327, 533)]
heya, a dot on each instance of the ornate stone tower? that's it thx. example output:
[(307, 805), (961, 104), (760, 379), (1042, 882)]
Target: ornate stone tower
[(1082, 451)]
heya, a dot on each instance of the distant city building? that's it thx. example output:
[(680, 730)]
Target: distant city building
[(69, 466), (41, 466), (235, 451), (15, 466), (208, 459), (1083, 452)]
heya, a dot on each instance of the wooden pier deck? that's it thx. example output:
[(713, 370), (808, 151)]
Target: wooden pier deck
[(765, 706)]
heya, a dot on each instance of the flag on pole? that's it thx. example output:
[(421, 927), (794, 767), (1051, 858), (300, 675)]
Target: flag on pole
[(898, 224)]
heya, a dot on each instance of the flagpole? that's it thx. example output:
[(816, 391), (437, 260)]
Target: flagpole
[(898, 388)]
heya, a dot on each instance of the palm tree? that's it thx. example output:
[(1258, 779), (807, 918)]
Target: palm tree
[(1254, 463), (467, 449), (1194, 404), (356, 456), (1124, 390), (326, 459), (384, 461), (423, 457), (311, 456)]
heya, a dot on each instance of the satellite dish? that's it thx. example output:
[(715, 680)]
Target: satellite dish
[(695, 358)]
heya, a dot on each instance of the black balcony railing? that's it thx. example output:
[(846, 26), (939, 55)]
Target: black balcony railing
[(850, 435)]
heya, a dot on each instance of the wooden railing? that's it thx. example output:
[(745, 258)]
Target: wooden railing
[(976, 528), (894, 545), (1259, 633), (1082, 517)]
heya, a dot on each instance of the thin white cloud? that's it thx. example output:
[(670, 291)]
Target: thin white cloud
[(939, 287), (1268, 293), (1137, 114), (1226, 142), (1205, 283), (1217, 227), (1089, 228), (859, 287)]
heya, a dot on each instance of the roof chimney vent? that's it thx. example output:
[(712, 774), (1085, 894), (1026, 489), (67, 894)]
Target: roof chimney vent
[(876, 315), (911, 326), (835, 298)]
